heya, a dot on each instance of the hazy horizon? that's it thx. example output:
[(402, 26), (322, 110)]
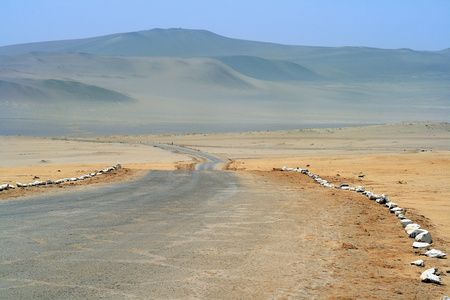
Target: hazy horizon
[(135, 80)]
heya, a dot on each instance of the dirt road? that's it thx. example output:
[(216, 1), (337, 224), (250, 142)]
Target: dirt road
[(206, 235)]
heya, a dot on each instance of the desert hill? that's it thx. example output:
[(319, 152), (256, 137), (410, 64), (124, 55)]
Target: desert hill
[(159, 42), (350, 61), (195, 76)]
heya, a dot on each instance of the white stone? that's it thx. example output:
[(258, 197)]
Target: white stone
[(401, 217), (424, 237), (421, 246), (406, 222), (430, 276), (374, 197), (411, 227), (418, 263), (416, 233), (359, 189), (391, 205), (398, 213), (435, 253), (394, 209)]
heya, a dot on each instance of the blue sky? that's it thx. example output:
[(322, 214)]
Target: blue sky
[(419, 25)]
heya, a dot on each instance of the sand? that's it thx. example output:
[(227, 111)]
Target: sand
[(410, 162)]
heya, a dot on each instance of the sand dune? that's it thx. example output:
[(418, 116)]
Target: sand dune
[(197, 76)]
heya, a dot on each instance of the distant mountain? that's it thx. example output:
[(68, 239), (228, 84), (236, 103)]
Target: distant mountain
[(154, 42), (329, 62)]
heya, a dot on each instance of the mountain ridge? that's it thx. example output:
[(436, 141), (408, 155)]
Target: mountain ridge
[(170, 35), (327, 62)]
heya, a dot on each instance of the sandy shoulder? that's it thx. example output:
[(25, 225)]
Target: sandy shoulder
[(416, 181)]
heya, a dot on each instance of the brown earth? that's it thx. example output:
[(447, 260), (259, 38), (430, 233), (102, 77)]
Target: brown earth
[(414, 180), (359, 244)]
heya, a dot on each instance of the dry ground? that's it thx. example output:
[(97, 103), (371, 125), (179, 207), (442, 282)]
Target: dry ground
[(410, 162), (360, 245), (416, 181)]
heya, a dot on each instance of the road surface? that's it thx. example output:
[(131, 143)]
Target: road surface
[(171, 235), (211, 163)]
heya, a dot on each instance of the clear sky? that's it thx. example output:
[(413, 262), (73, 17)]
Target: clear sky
[(415, 24)]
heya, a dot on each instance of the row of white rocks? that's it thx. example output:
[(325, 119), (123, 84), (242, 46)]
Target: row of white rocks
[(59, 181), (421, 236)]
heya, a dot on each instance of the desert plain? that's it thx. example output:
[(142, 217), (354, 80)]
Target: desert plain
[(410, 162)]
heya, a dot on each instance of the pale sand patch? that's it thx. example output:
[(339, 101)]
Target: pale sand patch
[(21, 151), (27, 159)]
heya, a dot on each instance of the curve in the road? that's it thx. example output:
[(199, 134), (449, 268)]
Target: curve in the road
[(212, 163)]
